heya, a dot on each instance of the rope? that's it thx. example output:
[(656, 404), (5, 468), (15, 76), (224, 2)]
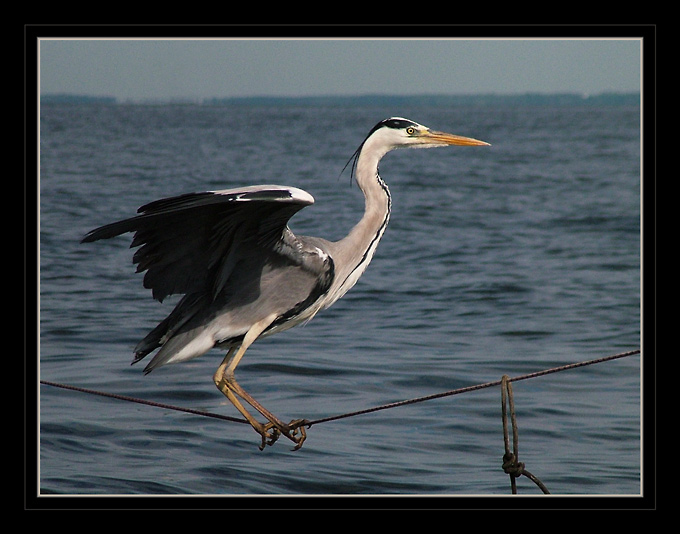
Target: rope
[(358, 412), (511, 464), (473, 388), (142, 401)]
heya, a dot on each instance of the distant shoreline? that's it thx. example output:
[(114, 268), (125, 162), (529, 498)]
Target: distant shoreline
[(524, 99)]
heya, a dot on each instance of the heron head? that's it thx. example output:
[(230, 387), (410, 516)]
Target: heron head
[(398, 132)]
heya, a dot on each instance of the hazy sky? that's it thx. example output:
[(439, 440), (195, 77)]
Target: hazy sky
[(196, 69)]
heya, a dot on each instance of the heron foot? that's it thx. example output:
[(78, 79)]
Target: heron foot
[(269, 432), (294, 431), (295, 427)]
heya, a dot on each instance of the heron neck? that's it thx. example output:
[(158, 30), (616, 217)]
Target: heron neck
[(358, 247), (377, 202)]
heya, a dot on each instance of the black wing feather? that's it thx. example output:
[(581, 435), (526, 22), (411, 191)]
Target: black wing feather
[(192, 242)]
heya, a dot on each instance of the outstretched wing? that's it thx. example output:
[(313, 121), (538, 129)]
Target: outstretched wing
[(191, 243)]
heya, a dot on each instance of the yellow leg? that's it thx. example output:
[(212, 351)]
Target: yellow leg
[(269, 433), (227, 384)]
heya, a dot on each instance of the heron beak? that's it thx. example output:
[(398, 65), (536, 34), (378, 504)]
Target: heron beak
[(443, 138)]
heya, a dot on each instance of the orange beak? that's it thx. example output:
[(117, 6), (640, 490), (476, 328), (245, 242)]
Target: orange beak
[(444, 138)]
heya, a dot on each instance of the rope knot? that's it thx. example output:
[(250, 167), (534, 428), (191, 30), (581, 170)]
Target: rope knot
[(511, 466)]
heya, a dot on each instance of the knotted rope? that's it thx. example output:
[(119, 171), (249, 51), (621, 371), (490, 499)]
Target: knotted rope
[(511, 464)]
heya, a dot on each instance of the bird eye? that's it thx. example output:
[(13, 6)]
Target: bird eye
[(410, 131)]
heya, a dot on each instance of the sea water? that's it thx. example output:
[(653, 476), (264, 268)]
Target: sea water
[(506, 259)]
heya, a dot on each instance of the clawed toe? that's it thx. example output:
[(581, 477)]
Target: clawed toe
[(295, 427), (270, 433)]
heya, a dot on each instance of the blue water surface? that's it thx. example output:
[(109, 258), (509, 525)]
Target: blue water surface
[(506, 259)]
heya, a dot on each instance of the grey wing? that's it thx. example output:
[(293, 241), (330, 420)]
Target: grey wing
[(192, 243)]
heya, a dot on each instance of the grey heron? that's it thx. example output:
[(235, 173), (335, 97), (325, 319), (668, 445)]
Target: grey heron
[(244, 275)]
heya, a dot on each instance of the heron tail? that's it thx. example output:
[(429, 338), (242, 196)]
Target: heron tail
[(168, 328)]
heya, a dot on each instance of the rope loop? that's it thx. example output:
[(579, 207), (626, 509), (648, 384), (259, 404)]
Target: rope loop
[(511, 464)]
